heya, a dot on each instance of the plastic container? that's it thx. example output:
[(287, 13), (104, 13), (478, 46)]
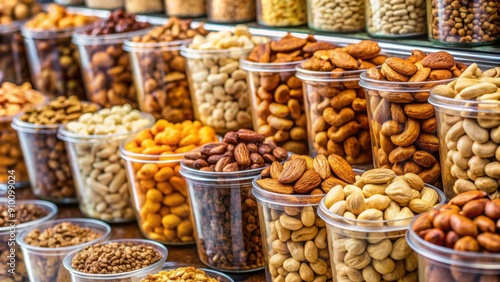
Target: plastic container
[(436, 262), (13, 63), (221, 277), (54, 62), (288, 127), (132, 276), (384, 240), (12, 165), (336, 16), (45, 264), (274, 207), (69, 2), (393, 19), (325, 137), (105, 4), (185, 8), (21, 274), (478, 171), (281, 14), (228, 11), (172, 206), (106, 68), (226, 219), (463, 23), (207, 97), (110, 202), (143, 7), (48, 164), (415, 136), (164, 94)]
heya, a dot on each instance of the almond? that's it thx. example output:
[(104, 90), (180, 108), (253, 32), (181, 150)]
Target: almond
[(242, 155), (293, 170), (341, 168), (273, 185), (275, 170), (307, 182), (401, 65), (320, 164), (331, 182)]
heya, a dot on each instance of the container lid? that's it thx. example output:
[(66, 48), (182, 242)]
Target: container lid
[(48, 206), (294, 200), (327, 76), (146, 47), (466, 108), (269, 67), (147, 158), (396, 86), (213, 54), (80, 38)]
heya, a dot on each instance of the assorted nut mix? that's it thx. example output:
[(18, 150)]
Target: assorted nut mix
[(469, 223), (281, 13), (230, 11), (231, 239), (469, 22), (99, 172), (23, 213), (218, 84), (182, 274), (160, 70), (276, 93), (50, 169), (402, 122), (160, 192), (337, 108), (185, 8), (394, 18), (340, 16), (378, 195), (471, 155), (18, 10), (126, 257), (107, 68)]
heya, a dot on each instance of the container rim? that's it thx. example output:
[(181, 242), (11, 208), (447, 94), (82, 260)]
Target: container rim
[(50, 207), (352, 224), (80, 38), (269, 67), (325, 76), (146, 158), (214, 177), (12, 26), (191, 53), (95, 223), (36, 33), (395, 86), (445, 255), (174, 266), (144, 47), (158, 247), (473, 106)]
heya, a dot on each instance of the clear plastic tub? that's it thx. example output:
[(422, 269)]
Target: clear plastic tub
[(162, 207), (132, 276), (214, 105), (12, 165), (54, 62), (221, 277), (8, 235), (325, 137), (48, 164), (281, 13), (226, 219), (377, 249), (413, 138), (466, 164), (160, 93), (45, 264), (277, 102), (144, 7), (275, 208), (229, 11), (105, 4), (99, 174), (13, 63), (107, 71), (396, 18), (336, 16), (185, 8), (436, 263)]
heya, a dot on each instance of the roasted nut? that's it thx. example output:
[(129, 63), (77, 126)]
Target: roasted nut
[(394, 19), (185, 8), (276, 13), (224, 11), (336, 16)]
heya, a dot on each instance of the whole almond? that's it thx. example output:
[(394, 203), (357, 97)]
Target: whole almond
[(293, 170), (419, 206), (223, 162), (378, 176), (242, 155), (273, 185), (341, 168), (307, 182), (468, 196), (320, 164), (275, 170)]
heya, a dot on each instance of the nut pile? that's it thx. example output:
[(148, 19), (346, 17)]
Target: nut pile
[(182, 274), (377, 195), (14, 98), (185, 8), (469, 223), (108, 73), (230, 11), (18, 10), (340, 16), (276, 94), (464, 21), (124, 257), (396, 17), (471, 139), (160, 191), (403, 124), (104, 190), (231, 238), (51, 171), (58, 73), (23, 213), (161, 81), (339, 122), (218, 84), (282, 13)]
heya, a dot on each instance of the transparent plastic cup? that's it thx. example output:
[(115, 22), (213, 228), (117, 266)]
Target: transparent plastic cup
[(275, 13), (185, 8), (13, 169), (221, 277), (226, 219), (228, 11), (336, 16), (8, 237), (132, 276), (13, 63), (45, 264), (395, 20)]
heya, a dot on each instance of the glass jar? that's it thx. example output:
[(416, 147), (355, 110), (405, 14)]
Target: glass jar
[(229, 11), (12, 165), (220, 98), (463, 23), (336, 16), (281, 13), (396, 18), (105, 4), (327, 130), (13, 63), (144, 7), (185, 8), (277, 102)]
